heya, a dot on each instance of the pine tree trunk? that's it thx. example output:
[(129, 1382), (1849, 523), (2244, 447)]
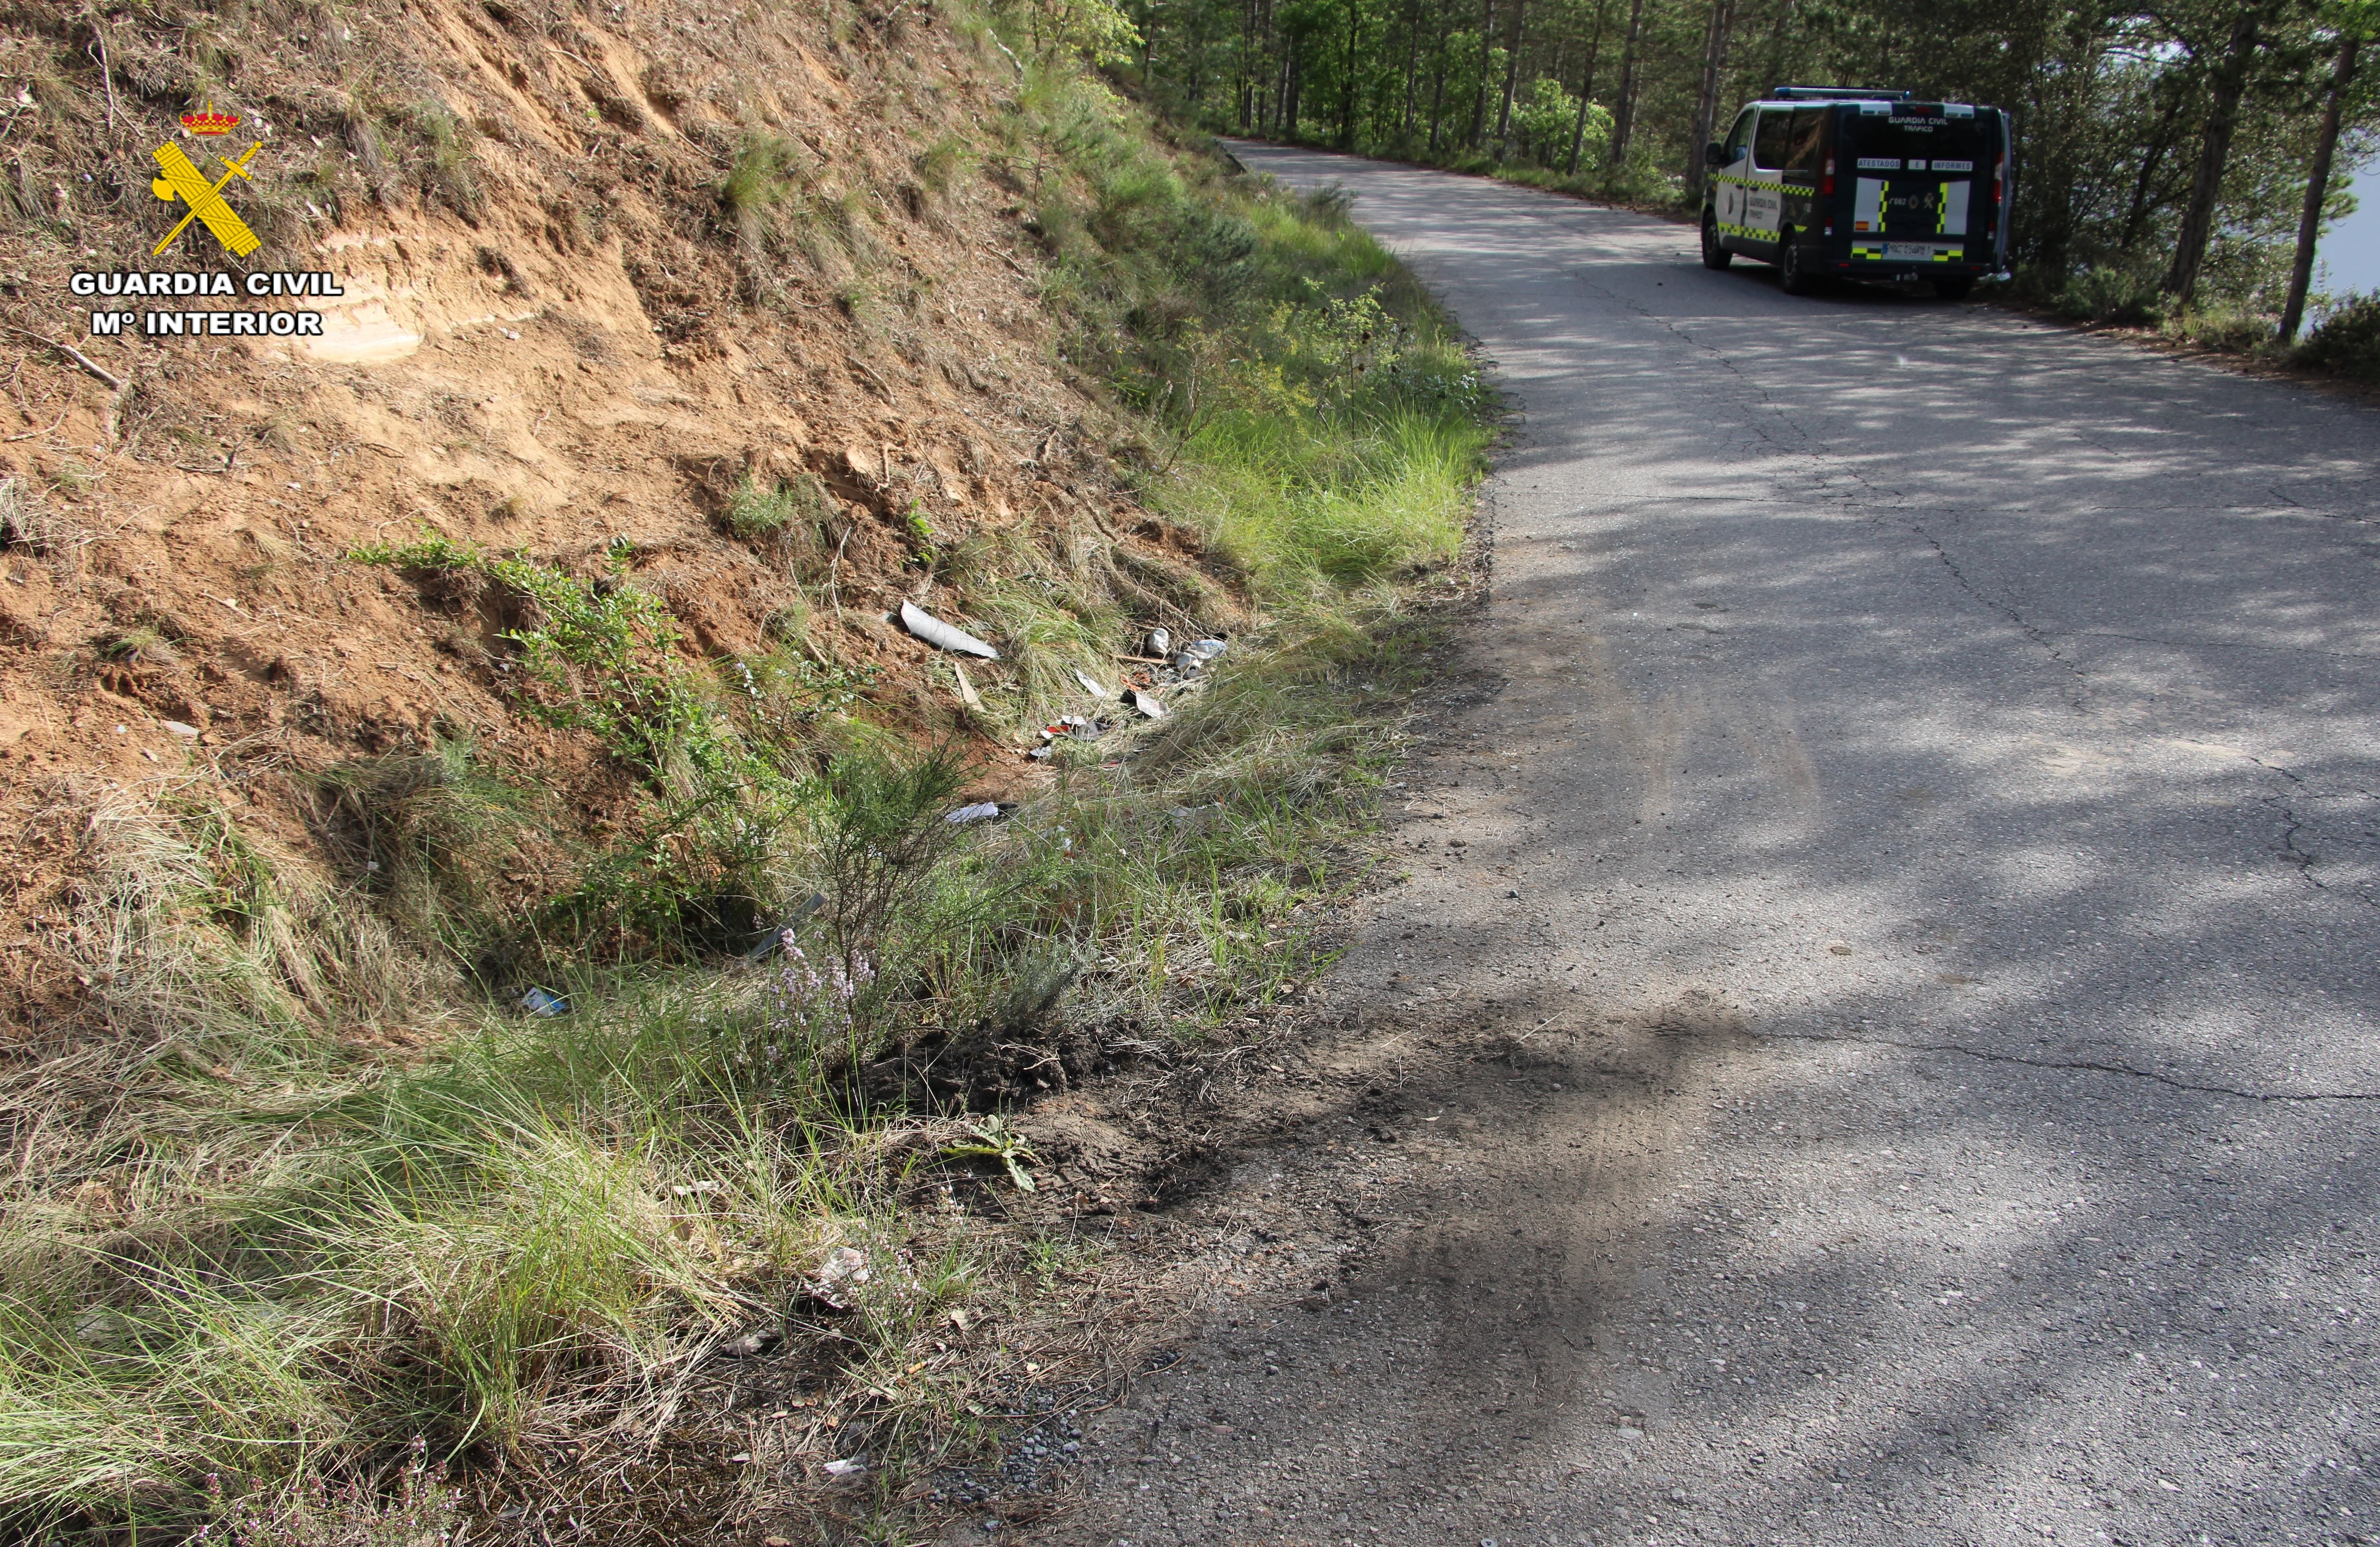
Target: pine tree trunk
[(1585, 90), (1437, 94), (1347, 103), (2318, 189), (1512, 77), (2214, 154), (1775, 66), (1479, 96), (1413, 67), (1715, 39), (2137, 214), (1623, 117)]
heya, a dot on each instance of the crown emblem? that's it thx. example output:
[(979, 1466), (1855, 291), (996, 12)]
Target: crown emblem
[(210, 121)]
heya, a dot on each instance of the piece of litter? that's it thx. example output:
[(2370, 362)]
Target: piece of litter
[(856, 1466), (983, 811), (1160, 643), (1095, 689), (508, 332), (844, 1262), (537, 1001), (933, 631), (188, 733), (1146, 704), (740, 1457), (1196, 654), (967, 695), (1039, 753)]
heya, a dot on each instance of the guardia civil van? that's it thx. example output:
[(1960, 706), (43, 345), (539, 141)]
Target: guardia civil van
[(1828, 183)]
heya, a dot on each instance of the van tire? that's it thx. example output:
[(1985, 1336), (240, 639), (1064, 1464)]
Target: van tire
[(1954, 287), (1714, 255), (1791, 277)]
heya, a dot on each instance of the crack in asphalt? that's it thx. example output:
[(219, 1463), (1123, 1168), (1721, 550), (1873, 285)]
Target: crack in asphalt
[(2223, 645), (2015, 616), (1880, 505), (1981, 1054), (2304, 859)]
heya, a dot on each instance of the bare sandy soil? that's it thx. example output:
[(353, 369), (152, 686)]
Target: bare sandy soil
[(1877, 1044)]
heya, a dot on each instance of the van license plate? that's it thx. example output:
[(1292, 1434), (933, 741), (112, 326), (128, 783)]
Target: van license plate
[(1924, 250)]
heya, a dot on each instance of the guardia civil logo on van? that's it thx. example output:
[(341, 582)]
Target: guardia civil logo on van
[(1825, 182)]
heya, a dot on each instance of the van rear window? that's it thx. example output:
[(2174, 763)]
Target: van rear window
[(1949, 145)]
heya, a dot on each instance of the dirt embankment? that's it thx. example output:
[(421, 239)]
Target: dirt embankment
[(601, 267)]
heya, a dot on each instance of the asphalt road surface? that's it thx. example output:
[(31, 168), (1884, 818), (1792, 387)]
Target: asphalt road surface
[(1904, 845)]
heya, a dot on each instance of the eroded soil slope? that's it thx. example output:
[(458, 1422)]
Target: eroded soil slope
[(601, 270)]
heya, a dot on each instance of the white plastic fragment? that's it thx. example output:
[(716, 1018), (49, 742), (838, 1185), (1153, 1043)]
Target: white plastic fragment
[(853, 1466), (1095, 689), (188, 733), (1198, 653), (933, 631), (984, 811), (538, 1002), (968, 694), (1146, 704)]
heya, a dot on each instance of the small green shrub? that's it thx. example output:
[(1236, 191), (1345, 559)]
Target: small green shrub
[(939, 165), (2347, 341), (595, 657), (2112, 297), (793, 513), (761, 176), (426, 832)]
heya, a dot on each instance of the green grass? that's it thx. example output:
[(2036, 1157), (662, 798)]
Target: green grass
[(260, 1247)]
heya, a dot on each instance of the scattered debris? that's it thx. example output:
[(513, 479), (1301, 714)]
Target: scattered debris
[(983, 811), (933, 631), (850, 1466), (968, 694), (1146, 704), (188, 733), (831, 1292), (759, 1340), (1160, 644), (537, 1001), (775, 938), (1196, 654), (1095, 689)]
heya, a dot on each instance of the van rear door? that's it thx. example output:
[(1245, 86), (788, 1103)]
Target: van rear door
[(1917, 168)]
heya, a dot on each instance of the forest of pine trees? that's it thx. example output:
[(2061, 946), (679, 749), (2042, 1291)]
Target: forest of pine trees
[(2165, 153)]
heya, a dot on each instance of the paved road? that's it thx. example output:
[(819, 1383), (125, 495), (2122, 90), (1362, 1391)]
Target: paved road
[(1916, 843)]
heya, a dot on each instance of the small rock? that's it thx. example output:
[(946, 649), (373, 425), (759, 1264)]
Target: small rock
[(188, 733), (1839, 948)]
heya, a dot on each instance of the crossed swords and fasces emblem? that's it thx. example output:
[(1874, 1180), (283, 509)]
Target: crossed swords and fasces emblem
[(182, 181)]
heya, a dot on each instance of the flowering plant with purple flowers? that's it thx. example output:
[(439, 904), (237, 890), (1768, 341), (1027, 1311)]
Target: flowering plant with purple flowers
[(813, 1000)]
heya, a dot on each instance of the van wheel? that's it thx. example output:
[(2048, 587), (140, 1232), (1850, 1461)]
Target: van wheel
[(1714, 255), (1954, 287), (1791, 278)]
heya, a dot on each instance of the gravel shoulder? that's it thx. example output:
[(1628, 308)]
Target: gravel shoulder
[(1877, 1044)]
